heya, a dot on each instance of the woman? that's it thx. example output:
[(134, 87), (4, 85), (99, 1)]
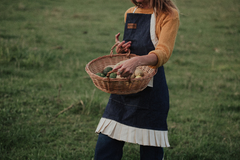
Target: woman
[(150, 31)]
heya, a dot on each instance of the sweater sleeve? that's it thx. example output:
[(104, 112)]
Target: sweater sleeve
[(168, 29)]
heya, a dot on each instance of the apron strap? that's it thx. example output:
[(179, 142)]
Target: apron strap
[(153, 37), (135, 9), (153, 29)]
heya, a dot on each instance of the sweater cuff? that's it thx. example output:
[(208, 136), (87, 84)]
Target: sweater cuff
[(158, 62)]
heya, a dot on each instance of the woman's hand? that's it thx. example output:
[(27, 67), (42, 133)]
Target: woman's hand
[(127, 68), (122, 46)]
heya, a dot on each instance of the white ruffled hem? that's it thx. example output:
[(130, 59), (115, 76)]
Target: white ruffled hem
[(130, 134)]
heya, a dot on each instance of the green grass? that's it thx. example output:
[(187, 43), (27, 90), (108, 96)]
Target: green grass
[(46, 44)]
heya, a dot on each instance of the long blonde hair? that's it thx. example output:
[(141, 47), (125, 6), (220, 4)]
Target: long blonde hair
[(164, 6)]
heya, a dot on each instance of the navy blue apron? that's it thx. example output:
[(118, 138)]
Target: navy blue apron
[(147, 109)]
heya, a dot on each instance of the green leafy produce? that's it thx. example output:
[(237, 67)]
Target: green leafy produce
[(106, 70), (100, 74), (113, 75)]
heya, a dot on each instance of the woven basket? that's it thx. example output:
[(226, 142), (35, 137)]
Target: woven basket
[(120, 86)]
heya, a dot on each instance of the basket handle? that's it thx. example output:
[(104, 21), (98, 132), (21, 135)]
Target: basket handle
[(116, 44), (108, 78), (111, 54)]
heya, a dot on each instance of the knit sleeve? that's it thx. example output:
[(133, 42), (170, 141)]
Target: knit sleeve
[(167, 31)]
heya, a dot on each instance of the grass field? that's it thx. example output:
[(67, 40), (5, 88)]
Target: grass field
[(46, 44)]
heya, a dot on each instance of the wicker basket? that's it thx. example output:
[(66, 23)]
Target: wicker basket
[(120, 86)]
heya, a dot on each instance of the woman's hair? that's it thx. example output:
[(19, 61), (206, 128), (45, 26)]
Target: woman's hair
[(160, 5)]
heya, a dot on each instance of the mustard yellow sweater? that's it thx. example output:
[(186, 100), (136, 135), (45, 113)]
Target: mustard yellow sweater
[(166, 31)]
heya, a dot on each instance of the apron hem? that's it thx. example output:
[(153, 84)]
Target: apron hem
[(121, 132)]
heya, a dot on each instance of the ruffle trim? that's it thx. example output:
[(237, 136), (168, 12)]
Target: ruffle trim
[(130, 134)]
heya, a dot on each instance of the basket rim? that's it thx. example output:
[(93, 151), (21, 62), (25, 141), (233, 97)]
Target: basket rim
[(105, 79)]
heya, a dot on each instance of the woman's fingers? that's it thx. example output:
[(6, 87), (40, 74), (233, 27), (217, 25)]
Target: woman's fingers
[(125, 73), (122, 46), (126, 69), (126, 45), (117, 68), (117, 37)]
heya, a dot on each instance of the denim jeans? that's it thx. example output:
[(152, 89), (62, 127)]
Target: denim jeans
[(111, 149)]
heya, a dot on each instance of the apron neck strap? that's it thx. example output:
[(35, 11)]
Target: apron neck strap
[(135, 9)]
